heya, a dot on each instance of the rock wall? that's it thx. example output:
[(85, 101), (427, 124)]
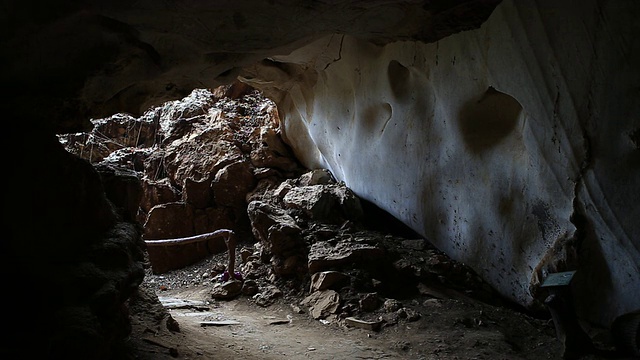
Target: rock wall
[(513, 148)]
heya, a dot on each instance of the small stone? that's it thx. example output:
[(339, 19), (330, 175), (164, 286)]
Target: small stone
[(245, 253), (369, 302), (390, 319), (391, 305), (432, 302), (362, 324), (172, 324), (415, 244), (411, 315), (322, 303), (267, 296), (250, 288), (377, 284), (226, 290)]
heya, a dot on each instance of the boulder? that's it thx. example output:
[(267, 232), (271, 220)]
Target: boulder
[(276, 230), (322, 303), (169, 220), (197, 193), (232, 183), (271, 152), (331, 203), (324, 280)]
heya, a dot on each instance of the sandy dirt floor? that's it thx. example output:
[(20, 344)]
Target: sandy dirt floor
[(448, 327)]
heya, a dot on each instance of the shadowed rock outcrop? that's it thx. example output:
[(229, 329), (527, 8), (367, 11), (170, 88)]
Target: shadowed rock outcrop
[(197, 160)]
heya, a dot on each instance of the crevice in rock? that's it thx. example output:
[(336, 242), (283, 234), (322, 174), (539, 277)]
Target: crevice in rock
[(339, 54), (378, 219), (578, 218)]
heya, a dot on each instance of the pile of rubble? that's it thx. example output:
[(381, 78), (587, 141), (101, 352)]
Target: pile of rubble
[(215, 160)]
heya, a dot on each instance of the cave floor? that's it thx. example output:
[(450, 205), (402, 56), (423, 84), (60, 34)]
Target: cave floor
[(453, 329), (448, 328)]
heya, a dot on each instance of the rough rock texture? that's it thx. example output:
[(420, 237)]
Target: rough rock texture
[(105, 58), (197, 158), (73, 262), (515, 142), (508, 148)]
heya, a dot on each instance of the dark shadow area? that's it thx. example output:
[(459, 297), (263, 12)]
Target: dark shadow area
[(487, 121), (377, 219)]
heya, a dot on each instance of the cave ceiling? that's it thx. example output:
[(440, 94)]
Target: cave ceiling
[(89, 59)]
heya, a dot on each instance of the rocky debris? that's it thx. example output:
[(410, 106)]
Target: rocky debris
[(250, 288), (362, 324), (227, 290), (197, 159), (322, 303), (110, 135), (302, 233), (267, 295), (324, 280), (276, 229), (369, 302), (391, 305), (341, 251)]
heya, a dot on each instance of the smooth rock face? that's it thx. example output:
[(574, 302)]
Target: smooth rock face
[(510, 146)]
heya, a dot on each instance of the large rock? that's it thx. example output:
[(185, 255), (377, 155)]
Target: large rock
[(156, 193), (274, 228), (170, 220), (197, 193), (352, 251), (322, 303), (510, 150), (332, 203), (232, 183), (272, 152)]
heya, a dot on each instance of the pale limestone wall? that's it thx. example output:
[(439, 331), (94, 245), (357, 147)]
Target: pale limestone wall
[(482, 141)]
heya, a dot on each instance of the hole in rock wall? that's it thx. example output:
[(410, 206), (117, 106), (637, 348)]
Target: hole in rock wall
[(399, 77), (486, 121), (377, 219)]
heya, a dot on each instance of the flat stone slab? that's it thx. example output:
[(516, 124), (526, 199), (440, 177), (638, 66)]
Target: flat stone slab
[(175, 303), (219, 323), (323, 255), (363, 324)]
